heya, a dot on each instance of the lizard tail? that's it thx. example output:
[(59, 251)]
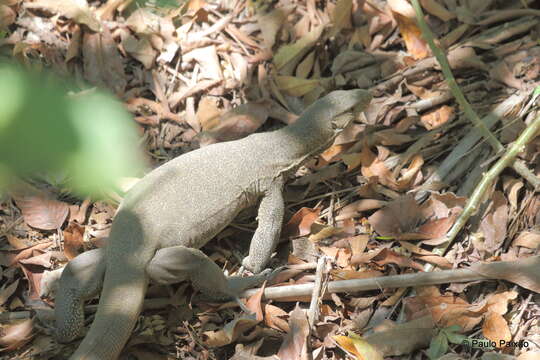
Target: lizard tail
[(119, 307)]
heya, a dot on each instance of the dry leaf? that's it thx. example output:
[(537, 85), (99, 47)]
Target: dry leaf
[(254, 303), (273, 317), (230, 332), (342, 16), (528, 239), (295, 340), (103, 64), (437, 117), (288, 56), (75, 10), (7, 291), (495, 328), (434, 8), (295, 86), (40, 209), (404, 338), (237, 123), (14, 336), (523, 272), (300, 223), (7, 16), (73, 240), (406, 19), (358, 347)]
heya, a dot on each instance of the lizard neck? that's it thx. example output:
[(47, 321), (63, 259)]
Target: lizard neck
[(295, 143), (307, 138)]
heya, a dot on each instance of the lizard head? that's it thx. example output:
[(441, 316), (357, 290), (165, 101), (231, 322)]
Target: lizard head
[(347, 100), (323, 120), (325, 113)]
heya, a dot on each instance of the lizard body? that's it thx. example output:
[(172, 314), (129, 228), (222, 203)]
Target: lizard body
[(176, 209)]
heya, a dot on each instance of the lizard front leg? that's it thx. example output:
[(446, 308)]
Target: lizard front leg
[(270, 219)]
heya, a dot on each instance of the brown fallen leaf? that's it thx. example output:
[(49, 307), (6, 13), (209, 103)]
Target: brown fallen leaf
[(71, 9), (445, 310), (387, 256), (274, 318), (14, 336), (29, 252), (300, 223), (230, 332), (73, 240), (237, 123), (404, 338), (495, 328), (254, 303), (528, 239), (404, 219), (7, 290), (358, 347), (404, 15), (295, 341), (103, 64), (40, 209)]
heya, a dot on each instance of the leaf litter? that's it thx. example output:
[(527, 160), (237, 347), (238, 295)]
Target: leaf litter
[(206, 72)]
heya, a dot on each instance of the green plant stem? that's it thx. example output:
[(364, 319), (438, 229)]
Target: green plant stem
[(532, 130), (462, 101)]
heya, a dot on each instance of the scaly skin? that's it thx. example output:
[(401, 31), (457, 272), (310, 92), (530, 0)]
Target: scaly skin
[(182, 205)]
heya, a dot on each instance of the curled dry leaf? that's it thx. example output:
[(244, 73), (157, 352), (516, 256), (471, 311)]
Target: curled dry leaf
[(254, 303), (7, 16), (300, 223), (230, 332), (295, 340), (71, 9), (445, 310), (528, 239), (358, 347), (40, 209), (405, 17), (237, 123), (274, 318), (73, 240), (404, 219), (103, 64), (495, 328), (14, 336)]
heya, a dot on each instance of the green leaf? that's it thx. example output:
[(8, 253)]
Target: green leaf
[(457, 339), (452, 328), (438, 346), (92, 138)]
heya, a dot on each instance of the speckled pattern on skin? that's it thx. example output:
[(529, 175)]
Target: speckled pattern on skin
[(179, 207)]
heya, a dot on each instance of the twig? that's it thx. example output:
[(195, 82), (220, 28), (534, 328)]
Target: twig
[(498, 270), (313, 312)]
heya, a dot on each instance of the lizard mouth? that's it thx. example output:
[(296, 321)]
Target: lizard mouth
[(341, 121)]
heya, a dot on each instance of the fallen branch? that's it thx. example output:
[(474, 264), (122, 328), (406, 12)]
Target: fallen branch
[(523, 272)]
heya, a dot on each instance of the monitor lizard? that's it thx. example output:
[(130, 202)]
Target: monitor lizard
[(177, 208)]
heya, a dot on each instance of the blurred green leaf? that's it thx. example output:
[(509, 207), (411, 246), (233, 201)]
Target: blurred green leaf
[(91, 136)]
